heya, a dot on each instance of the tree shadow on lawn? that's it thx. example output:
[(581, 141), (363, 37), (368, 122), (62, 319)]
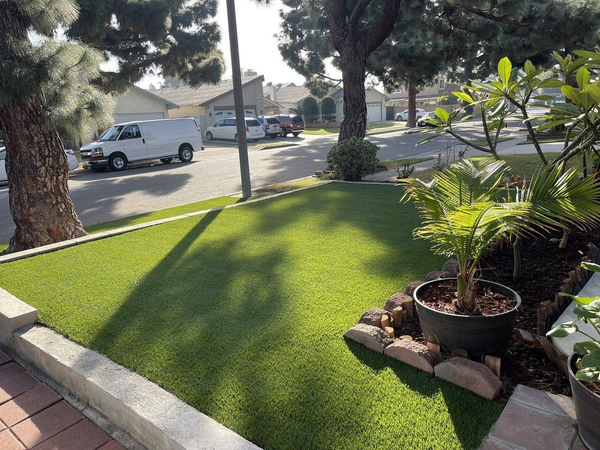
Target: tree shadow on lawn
[(243, 319)]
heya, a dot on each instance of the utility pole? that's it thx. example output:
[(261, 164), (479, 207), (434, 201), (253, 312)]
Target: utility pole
[(239, 100)]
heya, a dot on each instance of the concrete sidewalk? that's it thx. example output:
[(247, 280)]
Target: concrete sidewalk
[(33, 416)]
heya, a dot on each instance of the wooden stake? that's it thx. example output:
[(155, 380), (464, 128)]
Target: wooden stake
[(409, 307), (397, 316), (385, 322), (493, 362), (406, 337), (389, 331), (459, 353), (433, 347)]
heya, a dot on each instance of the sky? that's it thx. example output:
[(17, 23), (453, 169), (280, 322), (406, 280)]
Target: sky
[(257, 30)]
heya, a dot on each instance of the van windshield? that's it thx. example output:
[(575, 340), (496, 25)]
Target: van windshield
[(252, 123), (111, 134)]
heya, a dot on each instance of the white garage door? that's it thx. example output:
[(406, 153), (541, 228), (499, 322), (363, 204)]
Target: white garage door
[(133, 117), (374, 112)]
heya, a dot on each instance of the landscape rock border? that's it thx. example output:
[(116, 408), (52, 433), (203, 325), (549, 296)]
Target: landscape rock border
[(376, 330)]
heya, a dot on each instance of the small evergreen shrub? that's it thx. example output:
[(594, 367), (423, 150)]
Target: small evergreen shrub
[(352, 159)]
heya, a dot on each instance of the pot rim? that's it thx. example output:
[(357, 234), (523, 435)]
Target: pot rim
[(572, 375), (461, 316)]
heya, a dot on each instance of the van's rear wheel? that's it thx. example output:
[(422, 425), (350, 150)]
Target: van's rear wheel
[(117, 162), (166, 160), (186, 153)]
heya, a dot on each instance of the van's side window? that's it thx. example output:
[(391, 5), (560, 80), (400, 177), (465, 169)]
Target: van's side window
[(131, 132), (229, 123), (218, 123)]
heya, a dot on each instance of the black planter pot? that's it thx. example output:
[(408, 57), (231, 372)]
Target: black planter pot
[(587, 409), (478, 335)]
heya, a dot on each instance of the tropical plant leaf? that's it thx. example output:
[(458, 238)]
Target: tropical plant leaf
[(588, 374), (563, 330), (505, 70)]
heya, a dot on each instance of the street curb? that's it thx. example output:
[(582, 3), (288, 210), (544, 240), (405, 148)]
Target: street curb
[(106, 234)]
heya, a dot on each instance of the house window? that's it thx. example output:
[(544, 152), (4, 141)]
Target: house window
[(442, 84)]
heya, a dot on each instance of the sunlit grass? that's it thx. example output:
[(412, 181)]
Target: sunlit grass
[(241, 314)]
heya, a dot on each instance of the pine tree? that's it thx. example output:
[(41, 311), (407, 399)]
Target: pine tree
[(466, 38), (55, 87), (178, 37), (315, 30), (44, 91)]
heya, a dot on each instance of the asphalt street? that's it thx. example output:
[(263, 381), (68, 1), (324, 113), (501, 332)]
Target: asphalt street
[(100, 197)]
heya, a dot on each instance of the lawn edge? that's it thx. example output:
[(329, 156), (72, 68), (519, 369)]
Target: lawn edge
[(10, 257)]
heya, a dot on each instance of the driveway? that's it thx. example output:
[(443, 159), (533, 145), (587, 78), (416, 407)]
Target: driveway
[(100, 197)]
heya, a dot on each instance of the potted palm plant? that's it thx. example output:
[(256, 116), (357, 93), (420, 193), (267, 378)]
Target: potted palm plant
[(584, 365), (464, 211)]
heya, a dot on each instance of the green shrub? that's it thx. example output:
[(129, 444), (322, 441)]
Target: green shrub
[(352, 159)]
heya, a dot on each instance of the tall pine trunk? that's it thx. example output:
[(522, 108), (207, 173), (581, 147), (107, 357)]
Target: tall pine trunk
[(354, 66), (412, 105), (36, 164)]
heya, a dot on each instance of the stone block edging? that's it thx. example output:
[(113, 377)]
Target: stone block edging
[(14, 314)]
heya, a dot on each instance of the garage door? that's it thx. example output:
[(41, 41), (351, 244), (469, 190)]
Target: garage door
[(374, 112), (134, 117)]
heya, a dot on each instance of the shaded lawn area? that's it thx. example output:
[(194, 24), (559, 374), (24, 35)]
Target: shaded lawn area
[(241, 314), (375, 127)]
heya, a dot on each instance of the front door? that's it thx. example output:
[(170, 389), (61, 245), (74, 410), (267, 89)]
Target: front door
[(133, 143)]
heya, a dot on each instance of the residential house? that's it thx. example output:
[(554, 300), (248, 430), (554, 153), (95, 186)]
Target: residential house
[(211, 102), (290, 96), (140, 104), (429, 94)]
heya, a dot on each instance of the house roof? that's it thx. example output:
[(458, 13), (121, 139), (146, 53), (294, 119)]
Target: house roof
[(289, 93), (170, 105), (201, 95)]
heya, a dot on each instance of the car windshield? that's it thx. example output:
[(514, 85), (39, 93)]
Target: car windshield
[(296, 119), (252, 123), (272, 120), (111, 134)]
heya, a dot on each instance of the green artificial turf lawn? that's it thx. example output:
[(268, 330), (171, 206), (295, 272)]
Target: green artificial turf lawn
[(241, 314)]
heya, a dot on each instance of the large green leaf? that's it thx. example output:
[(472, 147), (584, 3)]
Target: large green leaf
[(442, 114), (583, 348), (591, 359), (505, 70), (563, 330), (572, 94), (583, 77), (591, 266), (588, 374), (529, 67), (464, 96)]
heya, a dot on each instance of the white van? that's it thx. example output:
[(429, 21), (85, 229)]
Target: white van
[(143, 141)]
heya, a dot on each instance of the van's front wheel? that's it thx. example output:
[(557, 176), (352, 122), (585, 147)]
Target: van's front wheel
[(186, 154), (117, 162)]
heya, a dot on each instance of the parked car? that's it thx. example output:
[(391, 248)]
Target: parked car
[(164, 139), (422, 122), (291, 125), (404, 114), (71, 160), (271, 126), (227, 129)]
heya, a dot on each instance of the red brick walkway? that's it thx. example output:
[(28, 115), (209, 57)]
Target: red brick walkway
[(33, 416)]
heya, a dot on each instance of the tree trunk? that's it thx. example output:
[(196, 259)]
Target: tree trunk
[(354, 67), (412, 105), (36, 163), (517, 258)]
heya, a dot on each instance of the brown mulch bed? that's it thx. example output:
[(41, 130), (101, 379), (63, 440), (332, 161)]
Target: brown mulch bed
[(545, 266), (442, 297)]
